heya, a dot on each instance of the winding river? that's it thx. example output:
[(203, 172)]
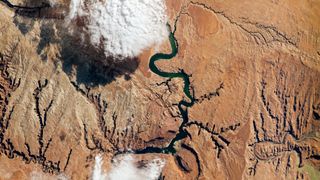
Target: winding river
[(183, 105)]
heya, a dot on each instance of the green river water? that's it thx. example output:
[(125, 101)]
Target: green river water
[(183, 104)]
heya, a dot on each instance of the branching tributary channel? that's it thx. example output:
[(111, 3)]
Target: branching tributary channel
[(183, 105)]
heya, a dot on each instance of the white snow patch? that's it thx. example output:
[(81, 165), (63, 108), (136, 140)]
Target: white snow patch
[(124, 168), (124, 28)]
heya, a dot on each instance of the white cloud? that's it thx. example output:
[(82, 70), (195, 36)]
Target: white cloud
[(124, 168), (98, 173), (52, 3), (75, 9), (124, 28), (37, 175)]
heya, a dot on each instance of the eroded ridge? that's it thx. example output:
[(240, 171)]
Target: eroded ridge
[(41, 11), (9, 85), (285, 125), (110, 138)]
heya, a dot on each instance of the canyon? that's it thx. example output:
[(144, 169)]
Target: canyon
[(232, 93)]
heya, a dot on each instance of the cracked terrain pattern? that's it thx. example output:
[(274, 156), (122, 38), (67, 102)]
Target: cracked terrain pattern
[(253, 66)]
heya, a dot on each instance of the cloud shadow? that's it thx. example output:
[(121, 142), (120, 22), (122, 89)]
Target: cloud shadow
[(87, 63)]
